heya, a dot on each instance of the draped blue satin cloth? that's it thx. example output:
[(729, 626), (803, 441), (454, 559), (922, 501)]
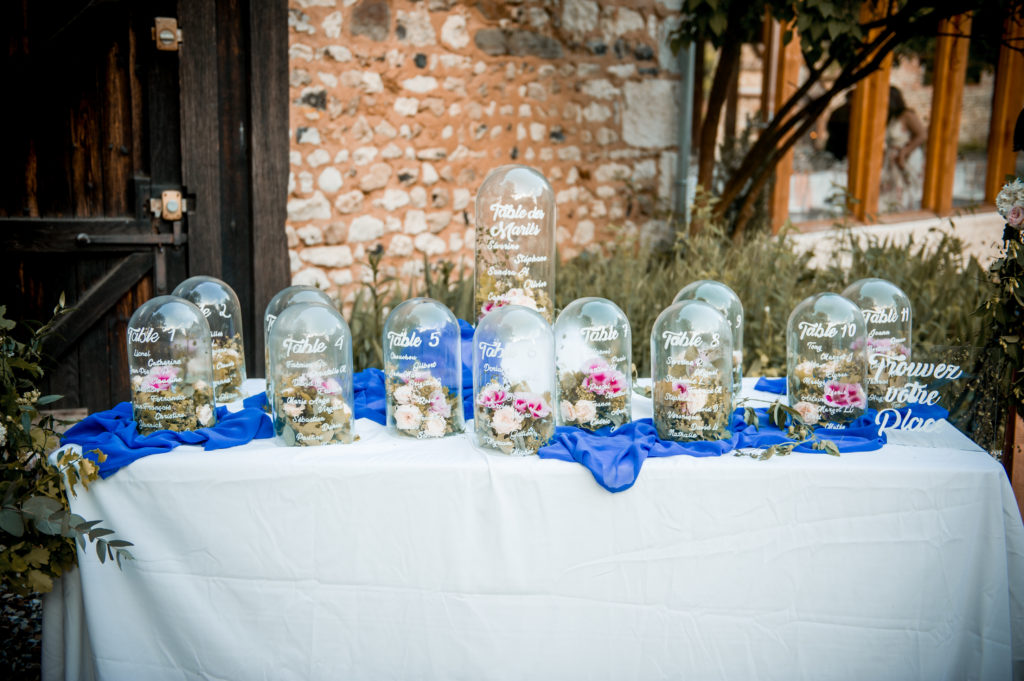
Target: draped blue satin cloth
[(113, 432), (771, 385)]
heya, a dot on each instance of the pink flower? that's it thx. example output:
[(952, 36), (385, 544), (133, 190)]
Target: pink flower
[(849, 395), (604, 380), (161, 378), (506, 421), (407, 417), (1015, 217), (531, 403), (492, 396), (439, 405), (327, 386), (808, 412)]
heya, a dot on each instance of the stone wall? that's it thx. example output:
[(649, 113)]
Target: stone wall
[(399, 110)]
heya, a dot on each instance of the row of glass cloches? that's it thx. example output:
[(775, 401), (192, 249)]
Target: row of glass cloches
[(187, 356)]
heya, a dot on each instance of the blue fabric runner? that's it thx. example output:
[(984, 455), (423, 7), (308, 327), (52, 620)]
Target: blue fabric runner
[(113, 432), (772, 385)]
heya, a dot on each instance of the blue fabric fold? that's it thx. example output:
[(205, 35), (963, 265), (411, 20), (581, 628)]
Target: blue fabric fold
[(615, 457), (113, 432), (771, 385)]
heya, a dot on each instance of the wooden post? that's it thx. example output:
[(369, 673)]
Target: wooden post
[(868, 117), (771, 38), (788, 73), (1016, 467), (1007, 101), (947, 101)]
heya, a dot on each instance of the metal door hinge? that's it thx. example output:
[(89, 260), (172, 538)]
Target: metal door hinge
[(170, 206), (166, 34)]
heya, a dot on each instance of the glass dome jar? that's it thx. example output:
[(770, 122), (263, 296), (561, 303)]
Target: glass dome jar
[(826, 360), (889, 319), (725, 300), (691, 360), (220, 306), (423, 370), (513, 381), (515, 242), (311, 376), (281, 300), (171, 366), (594, 358)]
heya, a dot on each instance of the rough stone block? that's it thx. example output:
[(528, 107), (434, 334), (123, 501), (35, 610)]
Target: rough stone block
[(365, 228), (371, 18), (650, 115), (453, 32), (376, 177), (314, 208), (328, 256), (330, 181)]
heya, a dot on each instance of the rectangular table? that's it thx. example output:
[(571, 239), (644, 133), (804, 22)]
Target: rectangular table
[(391, 559)]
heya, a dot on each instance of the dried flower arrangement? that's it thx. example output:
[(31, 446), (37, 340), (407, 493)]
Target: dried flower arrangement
[(512, 419), (164, 400), (828, 392), (512, 289), (422, 406), (311, 411), (693, 401), (883, 354), (228, 368), (595, 397)]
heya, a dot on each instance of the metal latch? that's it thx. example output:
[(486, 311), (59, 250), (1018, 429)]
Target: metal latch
[(170, 206), (166, 34)]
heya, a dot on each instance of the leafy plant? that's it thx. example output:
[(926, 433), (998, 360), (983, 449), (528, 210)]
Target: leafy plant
[(788, 420), (38, 531)]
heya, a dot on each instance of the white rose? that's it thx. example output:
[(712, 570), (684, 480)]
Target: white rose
[(696, 400), (568, 412), (434, 426), (586, 411), (809, 413), (506, 420), (204, 414), (407, 417), (403, 394)]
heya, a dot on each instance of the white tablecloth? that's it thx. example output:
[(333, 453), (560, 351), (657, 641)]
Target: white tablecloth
[(390, 559)]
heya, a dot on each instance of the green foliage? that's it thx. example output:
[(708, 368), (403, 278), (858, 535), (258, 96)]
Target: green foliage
[(38, 532), (786, 419)]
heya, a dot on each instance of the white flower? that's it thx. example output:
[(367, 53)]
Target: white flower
[(3, 435), (506, 420), (407, 417), (204, 414), (403, 394), (737, 358), (568, 411), (292, 409), (696, 400), (201, 386), (586, 411), (809, 413), (518, 296), (434, 426)]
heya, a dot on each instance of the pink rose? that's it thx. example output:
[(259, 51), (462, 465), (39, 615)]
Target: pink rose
[(531, 403), (492, 396), (161, 378), (407, 417), (604, 380), (327, 386), (1015, 217), (808, 412), (439, 405), (845, 395), (506, 421)]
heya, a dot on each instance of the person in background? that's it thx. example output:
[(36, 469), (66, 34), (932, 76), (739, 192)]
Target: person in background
[(903, 168)]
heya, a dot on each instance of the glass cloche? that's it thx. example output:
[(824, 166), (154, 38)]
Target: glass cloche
[(423, 370), (171, 366), (826, 360), (594, 357), (515, 241), (725, 300), (889, 319), (691, 360), (282, 299), (513, 381), (219, 304), (311, 376)]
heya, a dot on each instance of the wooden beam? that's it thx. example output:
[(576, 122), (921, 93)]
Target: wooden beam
[(1007, 101), (868, 117), (200, 134), (947, 101), (788, 75), (60, 235), (98, 300), (268, 21)]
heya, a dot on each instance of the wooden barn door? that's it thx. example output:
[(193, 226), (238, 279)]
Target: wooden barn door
[(116, 179)]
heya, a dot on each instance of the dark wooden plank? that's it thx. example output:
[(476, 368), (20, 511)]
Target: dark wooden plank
[(235, 198), (117, 120), (99, 298), (268, 27), (54, 235), (200, 134)]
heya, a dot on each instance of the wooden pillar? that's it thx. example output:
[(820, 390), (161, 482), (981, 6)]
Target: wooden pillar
[(771, 38), (732, 100), (788, 74), (947, 101), (868, 116), (698, 89), (1007, 100)]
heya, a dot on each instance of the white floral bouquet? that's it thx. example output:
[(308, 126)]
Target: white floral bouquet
[(1010, 203), (423, 407), (595, 397)]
